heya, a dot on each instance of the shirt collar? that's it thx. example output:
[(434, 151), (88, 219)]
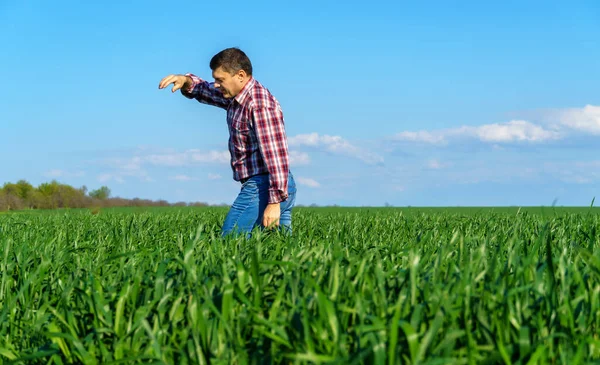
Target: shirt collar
[(243, 94)]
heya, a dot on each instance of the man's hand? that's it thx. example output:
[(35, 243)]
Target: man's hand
[(271, 215), (178, 81)]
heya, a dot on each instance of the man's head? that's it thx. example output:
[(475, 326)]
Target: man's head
[(231, 69)]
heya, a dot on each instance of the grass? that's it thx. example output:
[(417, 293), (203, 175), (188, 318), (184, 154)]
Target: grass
[(377, 286)]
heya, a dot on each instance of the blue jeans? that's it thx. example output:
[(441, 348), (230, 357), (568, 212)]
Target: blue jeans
[(247, 210)]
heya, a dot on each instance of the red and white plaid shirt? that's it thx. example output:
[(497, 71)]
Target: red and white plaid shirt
[(257, 142)]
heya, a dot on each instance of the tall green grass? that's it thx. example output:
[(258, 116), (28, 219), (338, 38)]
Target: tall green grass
[(349, 287)]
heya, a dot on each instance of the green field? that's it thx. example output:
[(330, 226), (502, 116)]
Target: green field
[(352, 285)]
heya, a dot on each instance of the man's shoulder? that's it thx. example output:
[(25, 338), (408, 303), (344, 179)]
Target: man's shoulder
[(260, 97)]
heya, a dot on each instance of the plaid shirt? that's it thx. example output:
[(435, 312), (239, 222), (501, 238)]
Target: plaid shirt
[(257, 142)]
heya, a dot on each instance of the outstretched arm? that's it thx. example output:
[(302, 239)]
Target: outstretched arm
[(205, 92), (193, 87)]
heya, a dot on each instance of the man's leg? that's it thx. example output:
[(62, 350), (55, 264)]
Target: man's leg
[(285, 221), (247, 210), (244, 211)]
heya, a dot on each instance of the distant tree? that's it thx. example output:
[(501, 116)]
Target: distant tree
[(24, 189), (10, 188), (10, 201), (36, 200), (102, 194), (51, 195), (48, 189), (198, 204), (69, 197)]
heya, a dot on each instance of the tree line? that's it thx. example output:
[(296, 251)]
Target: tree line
[(52, 195)]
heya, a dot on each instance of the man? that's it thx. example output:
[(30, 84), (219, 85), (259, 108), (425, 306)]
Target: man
[(257, 141)]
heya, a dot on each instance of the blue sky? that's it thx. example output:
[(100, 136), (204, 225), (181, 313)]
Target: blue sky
[(474, 103)]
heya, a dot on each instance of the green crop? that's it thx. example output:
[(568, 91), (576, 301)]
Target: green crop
[(351, 286)]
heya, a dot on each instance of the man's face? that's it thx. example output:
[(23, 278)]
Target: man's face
[(228, 84)]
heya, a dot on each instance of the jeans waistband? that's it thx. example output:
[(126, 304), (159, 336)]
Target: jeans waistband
[(243, 181)]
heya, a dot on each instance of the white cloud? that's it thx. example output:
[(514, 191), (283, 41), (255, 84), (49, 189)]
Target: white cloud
[(129, 166), (307, 182), (586, 119), (513, 131), (186, 158), (299, 158), (312, 139), (211, 157), (134, 166), (125, 167), (104, 177), (335, 144), (212, 176), (191, 157), (422, 136), (556, 126), (168, 158)]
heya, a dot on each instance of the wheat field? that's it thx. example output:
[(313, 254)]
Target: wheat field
[(350, 286)]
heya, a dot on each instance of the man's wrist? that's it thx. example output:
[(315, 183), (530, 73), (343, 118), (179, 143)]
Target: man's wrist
[(189, 82), (276, 196)]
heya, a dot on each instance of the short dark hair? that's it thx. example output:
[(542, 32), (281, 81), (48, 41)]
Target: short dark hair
[(231, 60)]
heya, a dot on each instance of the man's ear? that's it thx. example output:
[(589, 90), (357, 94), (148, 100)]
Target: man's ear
[(241, 75)]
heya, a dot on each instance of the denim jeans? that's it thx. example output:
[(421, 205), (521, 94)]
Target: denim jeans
[(247, 210)]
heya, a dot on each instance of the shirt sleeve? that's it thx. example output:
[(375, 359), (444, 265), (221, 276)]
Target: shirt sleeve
[(270, 133), (205, 92)]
